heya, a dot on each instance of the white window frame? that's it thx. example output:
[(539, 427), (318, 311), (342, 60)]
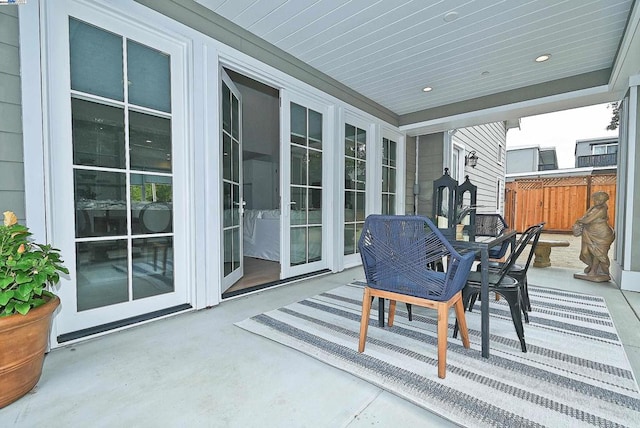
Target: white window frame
[(605, 146), (401, 170), (41, 102), (373, 186), (460, 149)]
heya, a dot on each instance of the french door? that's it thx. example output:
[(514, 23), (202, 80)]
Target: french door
[(355, 147), (232, 198), (117, 172), (303, 183)]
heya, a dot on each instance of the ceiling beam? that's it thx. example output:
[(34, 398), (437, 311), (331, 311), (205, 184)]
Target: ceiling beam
[(507, 112), (528, 93)]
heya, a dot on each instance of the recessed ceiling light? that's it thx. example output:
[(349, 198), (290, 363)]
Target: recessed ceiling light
[(450, 16), (427, 89), (543, 58)]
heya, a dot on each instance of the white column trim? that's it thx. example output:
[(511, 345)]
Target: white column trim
[(629, 280), (31, 78), (632, 129)]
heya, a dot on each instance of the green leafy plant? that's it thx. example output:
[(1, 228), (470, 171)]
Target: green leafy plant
[(26, 268)]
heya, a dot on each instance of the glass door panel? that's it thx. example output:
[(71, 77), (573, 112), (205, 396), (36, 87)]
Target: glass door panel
[(306, 180), (123, 174), (355, 173), (97, 143), (95, 72), (232, 200), (302, 222), (389, 148), (149, 142)]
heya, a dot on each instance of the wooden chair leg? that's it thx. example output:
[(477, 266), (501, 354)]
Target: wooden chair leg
[(443, 325), (461, 323), (364, 321), (392, 312)]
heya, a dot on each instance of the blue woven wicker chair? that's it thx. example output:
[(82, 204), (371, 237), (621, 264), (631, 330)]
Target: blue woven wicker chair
[(397, 255)]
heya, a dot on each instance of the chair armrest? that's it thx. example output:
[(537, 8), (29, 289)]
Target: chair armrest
[(460, 267)]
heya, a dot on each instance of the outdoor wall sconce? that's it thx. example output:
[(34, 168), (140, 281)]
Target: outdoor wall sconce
[(471, 159)]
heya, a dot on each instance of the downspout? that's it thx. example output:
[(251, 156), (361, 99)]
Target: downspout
[(416, 185), (447, 149)]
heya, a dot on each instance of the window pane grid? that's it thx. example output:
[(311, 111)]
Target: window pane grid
[(231, 180), (389, 172), (123, 178), (306, 140), (355, 186)]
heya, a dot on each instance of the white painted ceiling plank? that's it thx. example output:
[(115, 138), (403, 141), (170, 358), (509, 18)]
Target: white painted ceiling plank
[(376, 37), (280, 17), (248, 17), (362, 25), (388, 50), (211, 4), (232, 9), (296, 26)]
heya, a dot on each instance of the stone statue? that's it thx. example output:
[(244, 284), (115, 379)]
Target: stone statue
[(597, 237)]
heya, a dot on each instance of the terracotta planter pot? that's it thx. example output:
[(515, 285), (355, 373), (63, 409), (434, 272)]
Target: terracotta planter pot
[(23, 342)]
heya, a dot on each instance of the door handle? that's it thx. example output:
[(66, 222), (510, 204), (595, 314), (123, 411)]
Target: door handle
[(240, 206)]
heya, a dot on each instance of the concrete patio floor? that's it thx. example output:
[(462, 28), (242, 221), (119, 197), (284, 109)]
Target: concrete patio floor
[(199, 370)]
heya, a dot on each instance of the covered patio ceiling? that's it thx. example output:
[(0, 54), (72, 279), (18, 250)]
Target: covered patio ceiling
[(479, 57)]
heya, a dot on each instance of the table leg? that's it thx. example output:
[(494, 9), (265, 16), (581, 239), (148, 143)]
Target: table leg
[(484, 300), (380, 312)]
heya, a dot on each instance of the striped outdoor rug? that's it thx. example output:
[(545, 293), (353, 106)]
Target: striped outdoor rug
[(575, 373)]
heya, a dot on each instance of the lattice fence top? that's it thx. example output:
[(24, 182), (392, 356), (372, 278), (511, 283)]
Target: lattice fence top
[(603, 179), (565, 181), (529, 184)]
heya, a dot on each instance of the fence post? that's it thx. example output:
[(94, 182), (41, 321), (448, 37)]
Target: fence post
[(588, 192)]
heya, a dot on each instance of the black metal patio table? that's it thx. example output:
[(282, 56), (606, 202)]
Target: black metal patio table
[(481, 246)]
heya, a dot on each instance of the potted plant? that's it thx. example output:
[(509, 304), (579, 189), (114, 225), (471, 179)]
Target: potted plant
[(27, 269)]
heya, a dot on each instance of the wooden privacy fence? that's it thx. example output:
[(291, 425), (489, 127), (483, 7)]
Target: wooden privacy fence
[(558, 201)]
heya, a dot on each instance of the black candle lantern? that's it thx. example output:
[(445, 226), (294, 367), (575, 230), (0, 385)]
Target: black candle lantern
[(444, 201), (467, 195)]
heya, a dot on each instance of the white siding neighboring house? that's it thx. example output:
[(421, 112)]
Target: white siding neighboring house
[(596, 152), (531, 159), (489, 142)]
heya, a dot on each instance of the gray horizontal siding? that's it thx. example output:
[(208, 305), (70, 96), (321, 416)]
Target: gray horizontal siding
[(410, 174), (12, 195), (485, 140), (430, 155)]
